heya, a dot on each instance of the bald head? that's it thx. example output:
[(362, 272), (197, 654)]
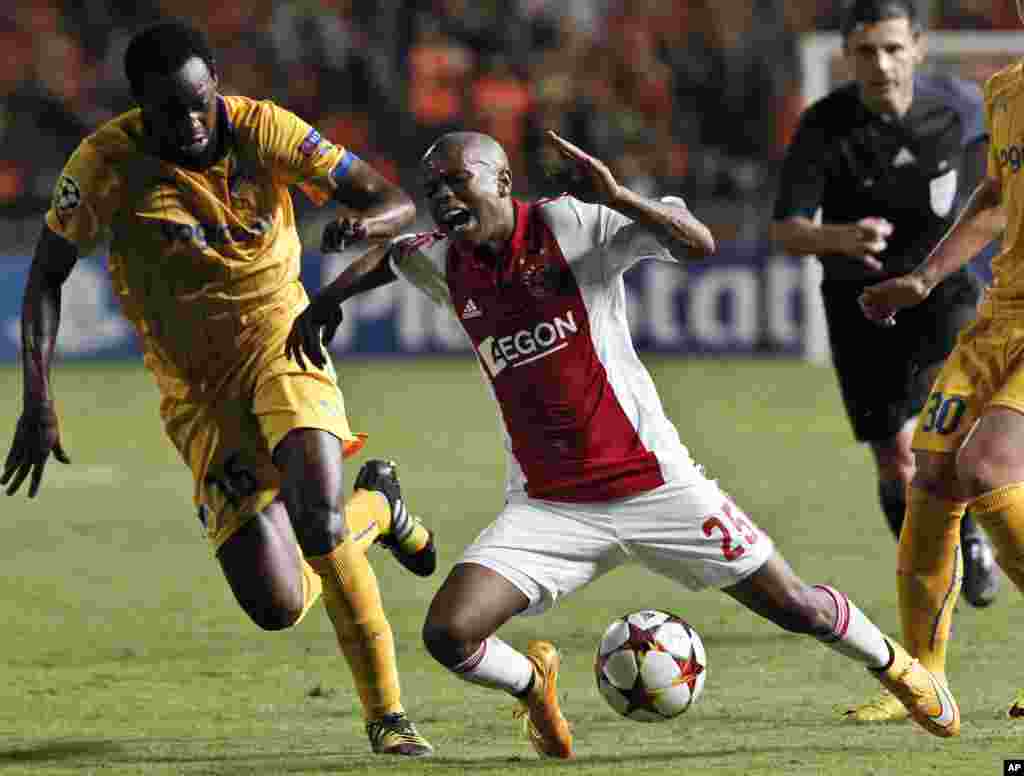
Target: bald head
[(474, 148)]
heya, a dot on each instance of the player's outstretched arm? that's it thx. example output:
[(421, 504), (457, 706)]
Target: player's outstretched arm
[(316, 326), (38, 433), (373, 208), (977, 225), (672, 222)]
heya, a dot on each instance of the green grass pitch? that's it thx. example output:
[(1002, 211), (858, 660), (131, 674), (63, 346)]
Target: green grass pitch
[(122, 651)]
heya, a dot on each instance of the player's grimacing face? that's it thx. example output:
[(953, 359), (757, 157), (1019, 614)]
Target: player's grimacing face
[(462, 193), (883, 56), (180, 110)]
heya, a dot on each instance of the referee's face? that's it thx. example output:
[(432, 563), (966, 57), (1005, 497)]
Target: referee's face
[(883, 56)]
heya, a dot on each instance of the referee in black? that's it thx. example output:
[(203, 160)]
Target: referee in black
[(884, 159)]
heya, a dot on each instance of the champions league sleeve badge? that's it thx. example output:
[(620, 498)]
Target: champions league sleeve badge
[(310, 143), (314, 144)]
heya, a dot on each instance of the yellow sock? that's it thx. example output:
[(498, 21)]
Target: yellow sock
[(415, 540), (311, 587), (1001, 512), (414, 537), (929, 572), (353, 603), (364, 512), (368, 516)]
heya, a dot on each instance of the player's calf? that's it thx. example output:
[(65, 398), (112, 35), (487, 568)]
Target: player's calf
[(407, 538), (260, 564)]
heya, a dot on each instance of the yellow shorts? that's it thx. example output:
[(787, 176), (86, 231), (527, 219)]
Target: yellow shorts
[(227, 435), (985, 369)]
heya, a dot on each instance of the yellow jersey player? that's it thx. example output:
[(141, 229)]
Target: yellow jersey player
[(969, 446), (193, 187)]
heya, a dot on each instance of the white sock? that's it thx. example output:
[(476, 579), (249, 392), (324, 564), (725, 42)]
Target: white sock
[(495, 664), (853, 634)]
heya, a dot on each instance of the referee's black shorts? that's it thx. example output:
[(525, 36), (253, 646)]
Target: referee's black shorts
[(883, 372)]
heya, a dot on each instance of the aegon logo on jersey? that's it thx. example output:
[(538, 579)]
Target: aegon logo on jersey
[(527, 345)]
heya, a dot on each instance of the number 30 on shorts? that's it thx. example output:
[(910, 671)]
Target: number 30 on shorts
[(943, 413)]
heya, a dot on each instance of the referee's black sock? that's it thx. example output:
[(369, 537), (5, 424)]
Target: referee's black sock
[(893, 496)]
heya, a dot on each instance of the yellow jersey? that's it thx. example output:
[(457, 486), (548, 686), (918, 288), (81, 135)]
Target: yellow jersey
[(1004, 115), (195, 254)]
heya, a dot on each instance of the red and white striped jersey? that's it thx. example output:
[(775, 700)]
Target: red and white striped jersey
[(583, 421)]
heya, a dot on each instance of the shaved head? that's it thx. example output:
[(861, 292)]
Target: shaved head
[(476, 148)]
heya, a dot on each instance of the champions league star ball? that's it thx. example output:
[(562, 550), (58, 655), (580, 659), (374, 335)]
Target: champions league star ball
[(650, 666)]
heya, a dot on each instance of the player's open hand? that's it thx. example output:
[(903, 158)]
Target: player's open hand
[(592, 181), (37, 435), (342, 233), (312, 331), (882, 301)]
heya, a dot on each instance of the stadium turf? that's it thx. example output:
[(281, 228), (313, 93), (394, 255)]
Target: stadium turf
[(123, 652)]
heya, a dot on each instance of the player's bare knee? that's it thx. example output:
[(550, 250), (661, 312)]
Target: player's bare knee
[(981, 470), (277, 619), (275, 616), (438, 641), (319, 529), (939, 475), (447, 642)]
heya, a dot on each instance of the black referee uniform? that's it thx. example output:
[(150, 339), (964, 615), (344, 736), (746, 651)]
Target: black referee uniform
[(852, 163)]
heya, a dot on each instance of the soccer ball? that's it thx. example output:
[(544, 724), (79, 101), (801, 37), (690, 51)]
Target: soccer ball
[(650, 666)]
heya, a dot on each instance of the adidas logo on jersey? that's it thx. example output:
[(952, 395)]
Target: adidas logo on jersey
[(903, 158), (471, 310)]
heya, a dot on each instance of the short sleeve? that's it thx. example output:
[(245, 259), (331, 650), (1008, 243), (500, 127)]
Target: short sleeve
[(601, 243), (625, 242), (297, 154), (804, 172), (85, 198)]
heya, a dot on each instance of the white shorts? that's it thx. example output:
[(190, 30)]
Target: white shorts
[(692, 533)]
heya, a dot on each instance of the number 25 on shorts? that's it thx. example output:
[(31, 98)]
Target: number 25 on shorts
[(943, 413), (734, 517)]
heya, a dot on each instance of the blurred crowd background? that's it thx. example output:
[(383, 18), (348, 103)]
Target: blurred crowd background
[(691, 96)]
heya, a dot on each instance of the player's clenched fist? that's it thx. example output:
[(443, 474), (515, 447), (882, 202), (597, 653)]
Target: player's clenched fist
[(37, 435), (342, 233), (312, 331), (882, 301)]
